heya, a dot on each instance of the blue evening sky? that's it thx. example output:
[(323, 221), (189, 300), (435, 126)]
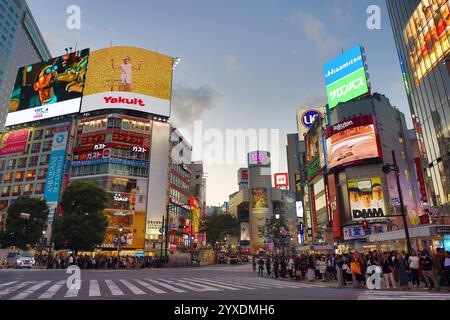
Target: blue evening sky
[(245, 64)]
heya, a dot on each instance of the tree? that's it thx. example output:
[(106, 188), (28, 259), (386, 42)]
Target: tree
[(83, 224), (218, 225), (22, 230), (272, 231)]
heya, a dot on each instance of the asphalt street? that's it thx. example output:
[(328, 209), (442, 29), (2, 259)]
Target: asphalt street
[(204, 283)]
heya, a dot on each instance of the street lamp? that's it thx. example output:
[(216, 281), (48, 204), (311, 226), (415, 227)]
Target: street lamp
[(395, 168)]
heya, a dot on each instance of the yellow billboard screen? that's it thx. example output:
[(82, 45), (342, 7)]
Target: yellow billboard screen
[(426, 36), (128, 78)]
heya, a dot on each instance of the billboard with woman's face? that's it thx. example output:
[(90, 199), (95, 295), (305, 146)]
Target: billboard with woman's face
[(427, 36), (48, 89), (129, 78)]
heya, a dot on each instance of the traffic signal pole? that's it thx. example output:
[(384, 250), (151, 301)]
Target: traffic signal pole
[(402, 205)]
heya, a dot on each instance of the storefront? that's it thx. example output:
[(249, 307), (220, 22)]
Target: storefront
[(428, 237)]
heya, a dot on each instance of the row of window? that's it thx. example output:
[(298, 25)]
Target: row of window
[(22, 163), (25, 189), (21, 176), (110, 168)]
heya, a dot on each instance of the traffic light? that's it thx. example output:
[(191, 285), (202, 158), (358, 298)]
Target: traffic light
[(425, 219), (365, 225)]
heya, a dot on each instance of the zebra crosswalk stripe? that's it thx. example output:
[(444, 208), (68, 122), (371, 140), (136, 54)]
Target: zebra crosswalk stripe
[(202, 287), (223, 286), (94, 289), (150, 287), (7, 284), (30, 291), (182, 285), (73, 292), (115, 290), (164, 285), (259, 285), (225, 282), (52, 290), (15, 288), (132, 287)]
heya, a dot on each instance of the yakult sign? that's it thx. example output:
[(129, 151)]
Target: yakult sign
[(345, 77)]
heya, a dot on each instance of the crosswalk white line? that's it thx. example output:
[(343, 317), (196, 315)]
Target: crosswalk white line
[(225, 282), (189, 287), (132, 287), (115, 290), (223, 286), (94, 289), (73, 292), (15, 288), (164, 285), (52, 290), (271, 282), (202, 287), (259, 285), (30, 290), (287, 284), (7, 284)]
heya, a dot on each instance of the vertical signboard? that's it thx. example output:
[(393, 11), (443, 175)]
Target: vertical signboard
[(55, 170)]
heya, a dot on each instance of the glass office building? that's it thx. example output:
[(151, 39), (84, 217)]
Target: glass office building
[(21, 43), (422, 35)]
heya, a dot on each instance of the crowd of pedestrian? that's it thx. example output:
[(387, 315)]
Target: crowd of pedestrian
[(99, 262), (398, 269)]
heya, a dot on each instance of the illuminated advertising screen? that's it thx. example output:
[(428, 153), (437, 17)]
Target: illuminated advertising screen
[(48, 89), (352, 141), (14, 142), (245, 231), (426, 36), (366, 199), (345, 77), (315, 158), (129, 78), (259, 158), (305, 119), (281, 180), (260, 198)]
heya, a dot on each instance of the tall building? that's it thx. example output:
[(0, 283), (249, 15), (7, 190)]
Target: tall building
[(296, 159), (421, 33), (21, 43)]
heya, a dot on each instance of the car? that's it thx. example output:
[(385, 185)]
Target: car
[(19, 260)]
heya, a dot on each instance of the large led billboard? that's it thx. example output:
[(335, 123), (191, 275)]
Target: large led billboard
[(366, 199), (352, 141), (427, 36), (260, 198), (129, 78), (14, 142), (345, 77), (315, 155), (48, 89)]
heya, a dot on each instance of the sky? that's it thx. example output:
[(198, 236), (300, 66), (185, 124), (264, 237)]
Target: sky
[(244, 64)]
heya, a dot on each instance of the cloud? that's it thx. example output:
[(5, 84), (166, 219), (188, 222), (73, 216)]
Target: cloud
[(314, 30), (190, 103), (341, 11), (231, 62)]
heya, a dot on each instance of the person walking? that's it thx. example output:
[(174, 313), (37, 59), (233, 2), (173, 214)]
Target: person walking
[(356, 270), (261, 266), (276, 266), (322, 267), (426, 264), (283, 267), (401, 267), (413, 262), (339, 271), (311, 269), (254, 263), (268, 266), (290, 267), (387, 267)]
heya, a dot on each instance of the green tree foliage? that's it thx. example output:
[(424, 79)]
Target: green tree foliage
[(83, 224), (219, 225), (25, 231)]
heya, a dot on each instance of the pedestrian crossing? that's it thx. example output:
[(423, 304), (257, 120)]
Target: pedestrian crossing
[(108, 288), (402, 295)]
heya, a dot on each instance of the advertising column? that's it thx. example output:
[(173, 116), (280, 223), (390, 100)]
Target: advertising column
[(55, 170)]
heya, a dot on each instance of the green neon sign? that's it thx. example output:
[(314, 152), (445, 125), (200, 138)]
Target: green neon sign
[(350, 87)]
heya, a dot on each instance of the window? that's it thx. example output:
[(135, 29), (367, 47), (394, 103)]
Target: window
[(22, 163), (19, 176), (40, 188), (400, 140), (42, 173), (44, 159), (8, 177), (47, 146), (6, 191), (31, 174), (35, 148), (411, 196), (48, 133), (407, 176), (28, 189), (33, 161), (16, 191), (11, 164), (403, 156), (38, 134), (2, 164)]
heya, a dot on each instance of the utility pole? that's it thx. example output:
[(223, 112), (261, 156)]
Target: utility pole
[(167, 232), (387, 169), (162, 226)]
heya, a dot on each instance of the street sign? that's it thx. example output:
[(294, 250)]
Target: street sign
[(161, 230)]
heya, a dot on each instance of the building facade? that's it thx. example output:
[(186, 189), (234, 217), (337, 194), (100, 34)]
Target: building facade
[(21, 43), (421, 33)]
